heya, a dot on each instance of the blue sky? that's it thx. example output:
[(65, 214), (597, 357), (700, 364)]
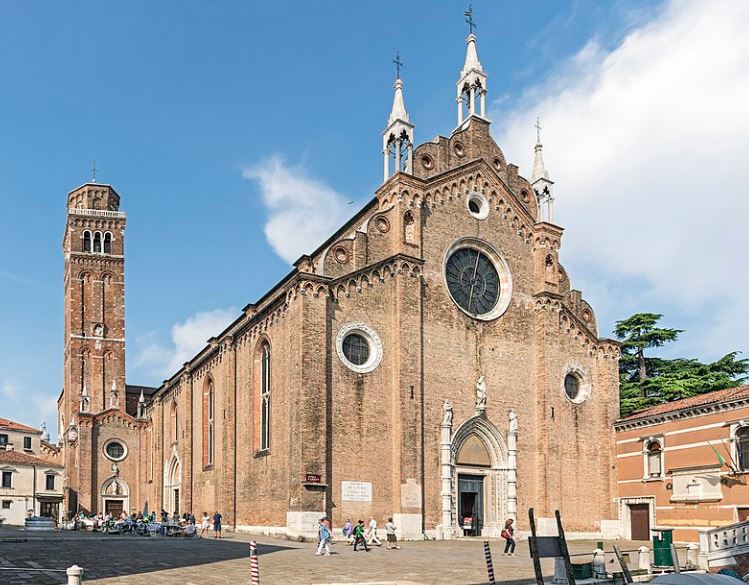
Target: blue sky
[(218, 121)]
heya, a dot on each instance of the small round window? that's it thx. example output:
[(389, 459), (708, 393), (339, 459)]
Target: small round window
[(359, 347), (576, 386), (478, 206), (115, 450)]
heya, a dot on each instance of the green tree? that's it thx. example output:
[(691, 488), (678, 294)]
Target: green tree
[(647, 381), (639, 333)]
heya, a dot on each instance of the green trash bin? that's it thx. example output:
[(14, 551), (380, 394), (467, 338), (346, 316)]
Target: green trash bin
[(582, 571), (662, 540)]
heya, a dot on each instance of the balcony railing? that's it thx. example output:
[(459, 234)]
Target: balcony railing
[(95, 212), (728, 537)]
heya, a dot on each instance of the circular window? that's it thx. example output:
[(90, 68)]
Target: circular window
[(478, 279), (478, 206), (341, 254), (115, 450), (359, 347), (524, 196), (459, 150), (382, 224), (427, 162), (576, 387), (497, 164)]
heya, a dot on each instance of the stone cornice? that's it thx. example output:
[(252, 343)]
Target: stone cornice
[(365, 277), (681, 414)]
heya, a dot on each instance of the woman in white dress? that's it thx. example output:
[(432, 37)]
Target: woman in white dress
[(204, 523)]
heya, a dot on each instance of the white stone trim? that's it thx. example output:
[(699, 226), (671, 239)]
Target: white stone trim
[(500, 265), (375, 347), (625, 520)]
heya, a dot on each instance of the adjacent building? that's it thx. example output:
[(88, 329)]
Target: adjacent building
[(430, 361), (684, 465), (31, 479)]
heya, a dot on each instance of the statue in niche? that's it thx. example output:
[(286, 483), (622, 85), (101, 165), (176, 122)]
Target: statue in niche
[(115, 470), (481, 393), (114, 396), (447, 413), (513, 421)]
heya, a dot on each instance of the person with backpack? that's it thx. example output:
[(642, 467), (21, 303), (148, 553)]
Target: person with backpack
[(507, 533), (359, 536), (323, 536)]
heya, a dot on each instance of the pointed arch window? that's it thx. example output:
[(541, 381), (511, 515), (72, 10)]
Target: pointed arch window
[(209, 423), (87, 241), (742, 448), (265, 397)]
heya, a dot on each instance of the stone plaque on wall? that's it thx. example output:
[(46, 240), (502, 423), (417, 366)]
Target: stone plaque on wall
[(356, 491)]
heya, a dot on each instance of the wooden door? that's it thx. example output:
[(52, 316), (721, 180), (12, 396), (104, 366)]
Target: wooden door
[(113, 507), (640, 521)]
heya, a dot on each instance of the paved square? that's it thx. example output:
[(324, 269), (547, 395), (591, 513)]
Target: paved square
[(134, 560)]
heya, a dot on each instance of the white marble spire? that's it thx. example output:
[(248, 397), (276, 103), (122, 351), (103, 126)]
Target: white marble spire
[(472, 84), (540, 181), (398, 137)]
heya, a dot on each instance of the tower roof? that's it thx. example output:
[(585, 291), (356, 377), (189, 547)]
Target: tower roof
[(539, 168), (398, 111), (472, 62)]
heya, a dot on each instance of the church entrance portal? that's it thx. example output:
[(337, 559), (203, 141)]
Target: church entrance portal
[(471, 504)]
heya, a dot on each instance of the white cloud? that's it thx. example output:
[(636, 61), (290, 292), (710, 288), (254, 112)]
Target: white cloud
[(187, 339), (647, 143), (302, 211), (27, 406)]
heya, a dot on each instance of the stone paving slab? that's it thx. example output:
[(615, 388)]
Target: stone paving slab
[(133, 560)]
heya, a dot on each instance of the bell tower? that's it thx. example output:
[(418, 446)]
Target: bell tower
[(94, 284)]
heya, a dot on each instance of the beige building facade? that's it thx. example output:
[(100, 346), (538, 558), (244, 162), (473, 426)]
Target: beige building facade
[(684, 465), (430, 361), (31, 477)]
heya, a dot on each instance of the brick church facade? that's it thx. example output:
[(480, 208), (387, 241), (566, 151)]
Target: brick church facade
[(430, 361)]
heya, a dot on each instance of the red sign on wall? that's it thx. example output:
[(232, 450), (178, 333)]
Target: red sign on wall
[(312, 478)]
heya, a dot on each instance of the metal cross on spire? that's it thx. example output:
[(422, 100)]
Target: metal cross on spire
[(93, 172), (469, 19), (538, 130), (398, 64)]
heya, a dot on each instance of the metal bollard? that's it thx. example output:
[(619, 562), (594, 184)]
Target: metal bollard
[(254, 568), (643, 558), (599, 564), (75, 575), (489, 565)]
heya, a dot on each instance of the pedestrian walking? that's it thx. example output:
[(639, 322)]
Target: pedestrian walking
[(359, 535), (507, 533), (390, 529), (217, 525), (205, 522), (372, 532), (323, 538), (348, 532)]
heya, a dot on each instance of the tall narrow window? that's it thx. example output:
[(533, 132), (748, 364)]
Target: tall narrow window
[(654, 460), (97, 242), (211, 423), (7, 479), (265, 398), (107, 243), (409, 228), (742, 448), (50, 482), (86, 241)]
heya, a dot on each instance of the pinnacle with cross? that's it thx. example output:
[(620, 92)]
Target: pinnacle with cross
[(398, 64), (93, 172), (469, 19), (538, 130)]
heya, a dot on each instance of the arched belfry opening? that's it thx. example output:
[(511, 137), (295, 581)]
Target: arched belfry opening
[(478, 479)]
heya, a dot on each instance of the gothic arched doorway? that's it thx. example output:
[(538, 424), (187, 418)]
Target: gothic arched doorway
[(172, 486), (115, 496), (479, 463)]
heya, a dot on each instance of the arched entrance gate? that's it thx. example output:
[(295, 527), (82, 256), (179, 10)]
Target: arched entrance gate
[(479, 477)]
